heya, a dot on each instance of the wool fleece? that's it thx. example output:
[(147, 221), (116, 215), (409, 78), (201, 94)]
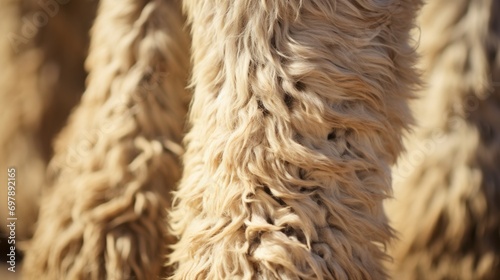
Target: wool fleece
[(298, 113)]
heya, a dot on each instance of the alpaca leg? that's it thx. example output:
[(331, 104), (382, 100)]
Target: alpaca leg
[(448, 184), (298, 112), (117, 160)]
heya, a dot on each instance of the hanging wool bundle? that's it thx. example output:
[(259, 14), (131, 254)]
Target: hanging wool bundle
[(117, 160), (447, 187)]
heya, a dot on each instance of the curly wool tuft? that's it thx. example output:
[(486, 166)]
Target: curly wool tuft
[(447, 186), (298, 112), (117, 160)]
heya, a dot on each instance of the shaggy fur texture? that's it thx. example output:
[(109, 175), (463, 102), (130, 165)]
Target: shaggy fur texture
[(448, 188), (118, 158), (297, 115), (42, 78)]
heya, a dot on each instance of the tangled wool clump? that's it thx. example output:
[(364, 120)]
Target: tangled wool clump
[(298, 112), (117, 160), (448, 184)]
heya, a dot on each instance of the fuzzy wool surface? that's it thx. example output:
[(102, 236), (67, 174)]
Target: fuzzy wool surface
[(117, 160), (447, 186), (42, 79), (298, 113)]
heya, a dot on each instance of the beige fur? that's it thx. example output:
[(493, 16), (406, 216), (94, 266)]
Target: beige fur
[(448, 185), (117, 160), (297, 115)]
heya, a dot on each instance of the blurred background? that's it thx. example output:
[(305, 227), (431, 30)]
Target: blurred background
[(43, 45)]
